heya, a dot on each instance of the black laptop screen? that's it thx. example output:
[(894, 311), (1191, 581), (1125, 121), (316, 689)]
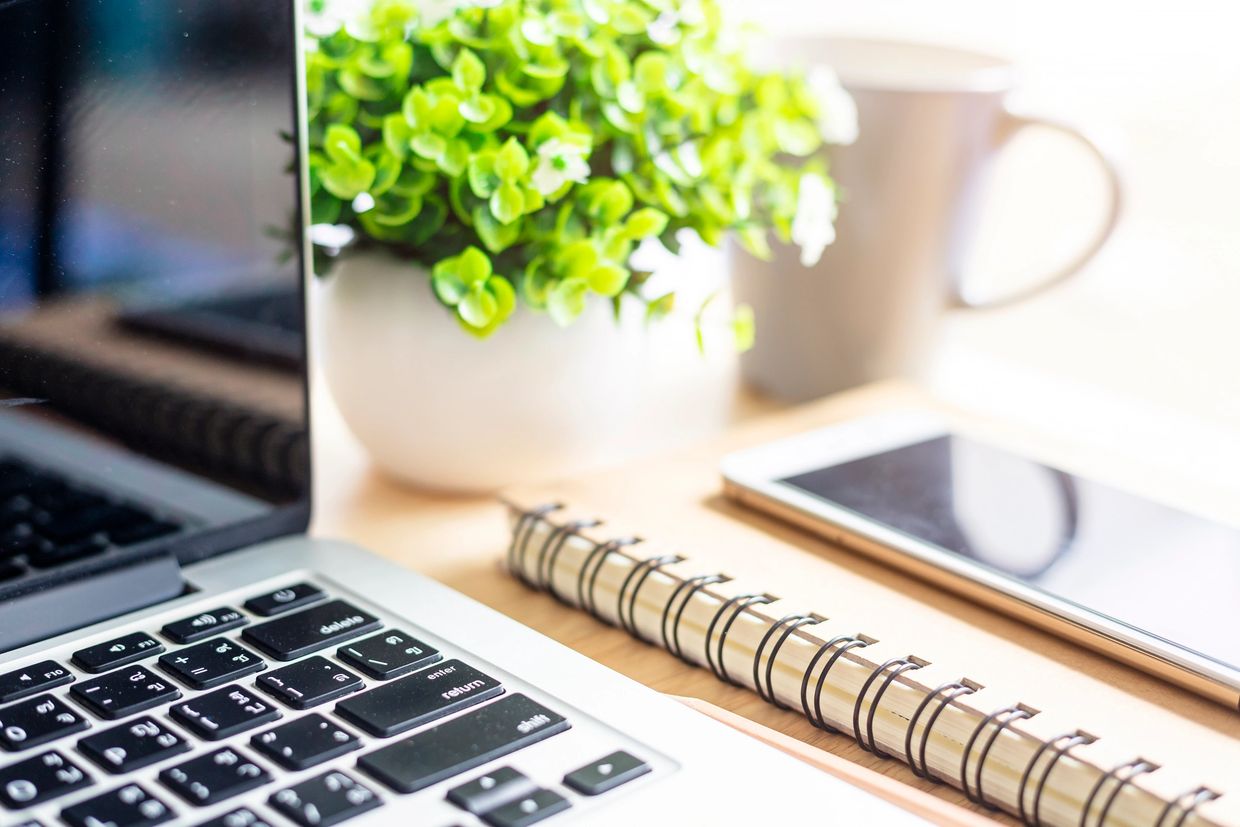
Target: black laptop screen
[(152, 338)]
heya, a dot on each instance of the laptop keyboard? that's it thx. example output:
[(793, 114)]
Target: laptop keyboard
[(46, 520), (309, 707)]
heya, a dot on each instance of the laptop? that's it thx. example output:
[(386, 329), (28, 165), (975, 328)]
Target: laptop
[(173, 647)]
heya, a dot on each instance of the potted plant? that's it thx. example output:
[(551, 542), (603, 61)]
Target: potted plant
[(485, 176)]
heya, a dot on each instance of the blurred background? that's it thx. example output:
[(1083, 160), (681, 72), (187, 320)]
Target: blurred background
[(1140, 349)]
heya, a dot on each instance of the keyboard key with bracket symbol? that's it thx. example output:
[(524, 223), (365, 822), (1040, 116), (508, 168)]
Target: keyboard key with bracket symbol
[(124, 692), (224, 713)]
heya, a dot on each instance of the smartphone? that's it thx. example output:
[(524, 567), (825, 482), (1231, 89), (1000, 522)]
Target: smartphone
[(1151, 585)]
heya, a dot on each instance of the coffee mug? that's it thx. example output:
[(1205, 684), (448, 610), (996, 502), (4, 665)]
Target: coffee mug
[(932, 119)]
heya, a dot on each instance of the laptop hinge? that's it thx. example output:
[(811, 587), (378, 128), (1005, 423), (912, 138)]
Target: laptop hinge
[(65, 606)]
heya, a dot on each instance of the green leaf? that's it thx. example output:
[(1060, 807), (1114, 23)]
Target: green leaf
[(495, 236), (478, 109), (347, 180), (645, 223), (455, 158), (342, 143), (478, 307), (512, 161), (578, 259), (396, 135), (508, 203), (468, 71), (567, 300), (505, 296), (429, 145), (416, 108), (449, 288), (661, 307), (482, 178), (608, 279), (473, 266)]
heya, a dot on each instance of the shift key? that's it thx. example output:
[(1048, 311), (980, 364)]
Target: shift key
[(462, 744), (418, 698), (291, 636)]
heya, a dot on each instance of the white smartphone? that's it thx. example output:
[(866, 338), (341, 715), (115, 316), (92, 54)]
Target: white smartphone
[(1151, 585)]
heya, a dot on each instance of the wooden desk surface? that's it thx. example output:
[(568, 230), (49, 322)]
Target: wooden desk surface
[(460, 541)]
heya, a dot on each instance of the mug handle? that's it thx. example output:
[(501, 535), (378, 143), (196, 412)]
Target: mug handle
[(1011, 124)]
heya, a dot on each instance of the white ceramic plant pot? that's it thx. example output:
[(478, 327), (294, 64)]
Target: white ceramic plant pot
[(440, 409)]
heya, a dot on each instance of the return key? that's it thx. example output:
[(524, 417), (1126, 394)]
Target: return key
[(423, 696)]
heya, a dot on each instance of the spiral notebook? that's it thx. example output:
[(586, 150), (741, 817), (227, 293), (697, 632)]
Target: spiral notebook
[(946, 727)]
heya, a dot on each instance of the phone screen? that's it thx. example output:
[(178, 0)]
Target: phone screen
[(1149, 566)]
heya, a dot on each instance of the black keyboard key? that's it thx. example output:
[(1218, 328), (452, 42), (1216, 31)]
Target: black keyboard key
[(324, 800), (489, 791), (309, 682), (305, 742), (113, 653), (531, 809), (36, 677), (290, 637), (224, 712), (606, 773), (127, 806), (203, 625), (285, 600), (133, 745), (124, 692), (389, 654), (37, 721), (213, 777), (211, 664), (418, 698), (240, 817), (38, 779), (463, 743)]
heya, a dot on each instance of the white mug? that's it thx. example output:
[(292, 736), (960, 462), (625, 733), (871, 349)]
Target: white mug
[(932, 118)]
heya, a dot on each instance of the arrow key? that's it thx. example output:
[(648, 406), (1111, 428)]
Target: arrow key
[(32, 679)]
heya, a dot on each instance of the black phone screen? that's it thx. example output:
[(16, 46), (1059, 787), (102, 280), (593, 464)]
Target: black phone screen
[(1151, 567)]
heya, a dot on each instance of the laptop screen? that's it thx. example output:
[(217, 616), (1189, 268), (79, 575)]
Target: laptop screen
[(152, 390)]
